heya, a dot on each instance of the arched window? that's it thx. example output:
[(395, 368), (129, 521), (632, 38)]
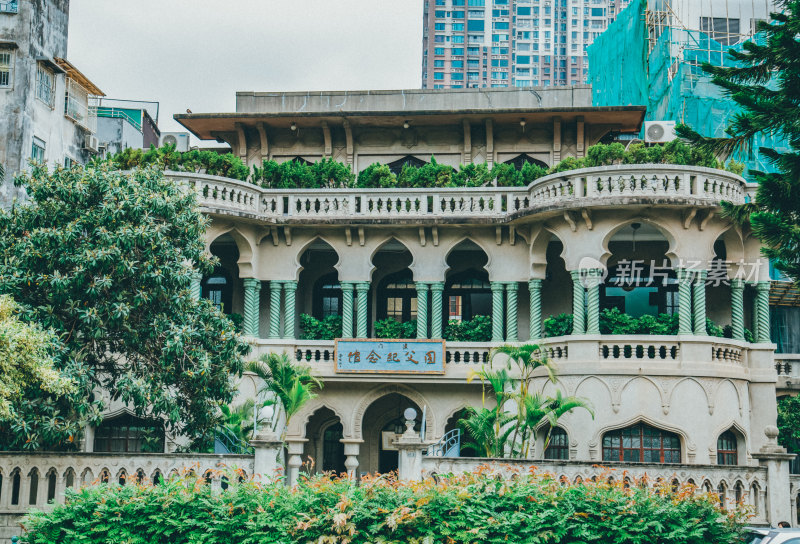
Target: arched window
[(327, 296), (468, 294), (409, 160), (129, 434), (520, 160), (558, 448), (727, 453), (641, 443), (397, 297), (218, 288)]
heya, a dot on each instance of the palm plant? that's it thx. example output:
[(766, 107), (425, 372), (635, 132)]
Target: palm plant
[(497, 431), (290, 383)]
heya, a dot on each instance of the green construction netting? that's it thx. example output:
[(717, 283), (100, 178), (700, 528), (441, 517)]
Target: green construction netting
[(669, 80)]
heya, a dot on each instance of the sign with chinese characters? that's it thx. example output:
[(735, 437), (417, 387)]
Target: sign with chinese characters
[(389, 356)]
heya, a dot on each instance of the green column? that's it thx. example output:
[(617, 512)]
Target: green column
[(699, 302), (422, 309), (512, 332), (737, 309), (497, 311), (252, 303), (684, 301), (578, 304), (275, 288), (362, 290), (535, 291), (762, 309), (347, 309), (196, 287), (437, 290), (593, 302), (288, 309)]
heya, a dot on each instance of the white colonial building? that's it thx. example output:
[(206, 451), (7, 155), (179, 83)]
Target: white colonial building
[(645, 239)]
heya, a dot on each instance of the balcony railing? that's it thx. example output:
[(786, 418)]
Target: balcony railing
[(588, 187), (76, 106), (9, 7), (731, 357)]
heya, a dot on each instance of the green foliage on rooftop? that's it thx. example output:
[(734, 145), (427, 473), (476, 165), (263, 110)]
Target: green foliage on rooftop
[(481, 507), (331, 174), (196, 160)]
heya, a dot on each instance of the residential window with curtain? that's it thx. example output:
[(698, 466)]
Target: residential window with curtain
[(45, 84), (6, 68)]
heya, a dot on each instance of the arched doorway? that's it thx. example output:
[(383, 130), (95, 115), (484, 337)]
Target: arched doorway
[(467, 291), (319, 291), (324, 451), (641, 280), (395, 292), (383, 422), (223, 287)]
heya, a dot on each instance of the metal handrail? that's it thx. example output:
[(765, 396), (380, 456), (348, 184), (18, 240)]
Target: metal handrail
[(448, 446), (226, 443), (115, 113)]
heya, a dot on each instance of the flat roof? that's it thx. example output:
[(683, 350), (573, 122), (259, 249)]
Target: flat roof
[(422, 106)]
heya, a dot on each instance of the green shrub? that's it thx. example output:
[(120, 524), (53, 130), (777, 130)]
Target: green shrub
[(712, 329), (196, 160), (390, 328), (238, 321), (477, 329), (456, 509), (558, 325), (472, 175), (376, 176), (325, 329)]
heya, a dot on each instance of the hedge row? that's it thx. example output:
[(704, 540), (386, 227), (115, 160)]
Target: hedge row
[(328, 173), (470, 508)]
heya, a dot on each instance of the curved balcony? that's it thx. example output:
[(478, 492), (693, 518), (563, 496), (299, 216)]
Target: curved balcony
[(621, 185)]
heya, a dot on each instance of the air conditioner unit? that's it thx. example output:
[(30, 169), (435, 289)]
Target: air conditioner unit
[(90, 143), (659, 132), (179, 139)]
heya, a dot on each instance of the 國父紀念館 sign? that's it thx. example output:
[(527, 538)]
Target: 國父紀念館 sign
[(390, 356)]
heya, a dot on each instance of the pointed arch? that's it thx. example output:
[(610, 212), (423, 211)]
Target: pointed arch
[(541, 238), (381, 391), (709, 396), (668, 235), (688, 447), (465, 238), (380, 245), (305, 247), (297, 428)]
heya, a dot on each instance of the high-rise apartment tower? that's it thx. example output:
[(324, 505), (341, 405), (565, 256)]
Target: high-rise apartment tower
[(506, 43)]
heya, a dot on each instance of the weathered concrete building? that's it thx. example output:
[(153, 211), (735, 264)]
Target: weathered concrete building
[(44, 99)]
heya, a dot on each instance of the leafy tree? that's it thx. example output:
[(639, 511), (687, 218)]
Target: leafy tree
[(105, 260), (290, 383), (27, 356), (789, 423), (765, 83)]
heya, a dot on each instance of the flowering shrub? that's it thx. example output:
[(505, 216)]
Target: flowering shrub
[(481, 507)]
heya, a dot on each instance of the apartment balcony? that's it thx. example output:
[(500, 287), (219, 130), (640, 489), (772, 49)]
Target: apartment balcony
[(577, 355), (11, 6), (610, 186)]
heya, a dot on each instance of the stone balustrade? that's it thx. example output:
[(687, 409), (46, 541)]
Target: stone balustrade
[(587, 187), (734, 484), (573, 354), (788, 368), (37, 480)]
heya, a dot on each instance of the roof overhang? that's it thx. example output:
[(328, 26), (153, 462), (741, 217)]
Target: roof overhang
[(207, 125), (50, 63), (73, 73), (5, 44)]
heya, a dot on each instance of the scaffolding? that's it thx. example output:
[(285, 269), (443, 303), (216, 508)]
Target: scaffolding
[(652, 56)]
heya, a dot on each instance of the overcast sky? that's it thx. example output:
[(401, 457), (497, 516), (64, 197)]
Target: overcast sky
[(196, 53)]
